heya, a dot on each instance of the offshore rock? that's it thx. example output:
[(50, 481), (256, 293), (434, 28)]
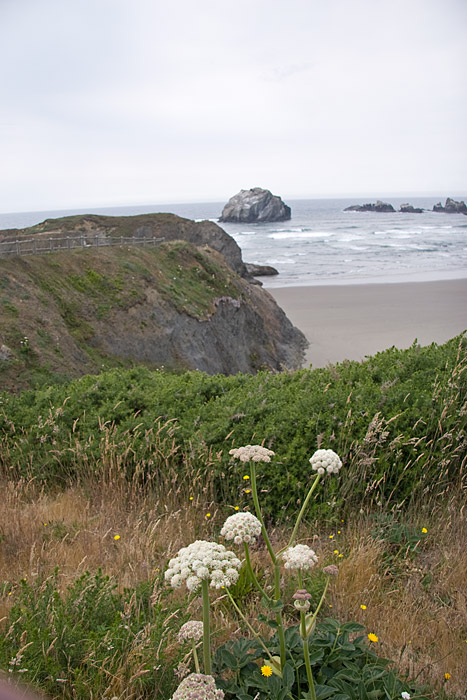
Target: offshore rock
[(257, 204), (260, 270), (451, 207), (378, 207), (410, 209)]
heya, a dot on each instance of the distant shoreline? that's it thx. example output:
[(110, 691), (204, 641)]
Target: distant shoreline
[(351, 321)]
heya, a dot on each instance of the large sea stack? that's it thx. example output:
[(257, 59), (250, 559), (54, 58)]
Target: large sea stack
[(250, 206)]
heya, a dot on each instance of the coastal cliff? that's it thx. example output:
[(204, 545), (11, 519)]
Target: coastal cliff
[(176, 305)]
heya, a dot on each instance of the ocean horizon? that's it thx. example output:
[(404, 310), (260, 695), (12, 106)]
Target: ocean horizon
[(322, 244)]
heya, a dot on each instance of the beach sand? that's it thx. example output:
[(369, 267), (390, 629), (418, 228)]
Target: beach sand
[(352, 321)]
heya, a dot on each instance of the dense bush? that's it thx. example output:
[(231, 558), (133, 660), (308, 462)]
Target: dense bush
[(397, 420)]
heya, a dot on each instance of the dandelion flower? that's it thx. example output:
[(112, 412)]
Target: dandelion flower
[(247, 490), (336, 551), (116, 537), (203, 561), (266, 670), (246, 477), (299, 557), (325, 462), (208, 515), (198, 686), (241, 527), (237, 508), (331, 537), (253, 453), (424, 530), (191, 498), (372, 637), (363, 607), (447, 676), (193, 629)]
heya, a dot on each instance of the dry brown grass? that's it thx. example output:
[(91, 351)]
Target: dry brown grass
[(417, 606)]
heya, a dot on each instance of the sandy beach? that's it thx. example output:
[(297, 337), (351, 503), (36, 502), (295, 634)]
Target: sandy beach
[(352, 321)]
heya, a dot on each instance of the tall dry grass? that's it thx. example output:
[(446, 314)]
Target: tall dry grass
[(416, 602)]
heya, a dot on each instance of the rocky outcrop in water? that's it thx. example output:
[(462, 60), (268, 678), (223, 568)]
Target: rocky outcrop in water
[(260, 270), (410, 209), (255, 205), (451, 207), (379, 207)]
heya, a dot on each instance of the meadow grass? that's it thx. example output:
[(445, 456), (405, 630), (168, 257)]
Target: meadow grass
[(412, 582)]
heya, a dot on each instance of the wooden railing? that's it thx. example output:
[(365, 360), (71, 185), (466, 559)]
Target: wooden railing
[(40, 244)]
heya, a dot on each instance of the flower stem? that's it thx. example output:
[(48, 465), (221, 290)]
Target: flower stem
[(306, 655), (252, 573), (302, 509), (318, 608), (255, 634), (259, 515), (280, 625), (195, 656), (206, 629)]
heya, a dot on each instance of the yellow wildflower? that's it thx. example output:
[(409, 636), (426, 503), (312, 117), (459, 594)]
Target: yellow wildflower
[(424, 530), (208, 515), (372, 637), (247, 490), (116, 537), (246, 477), (363, 607), (447, 676), (237, 508), (266, 670)]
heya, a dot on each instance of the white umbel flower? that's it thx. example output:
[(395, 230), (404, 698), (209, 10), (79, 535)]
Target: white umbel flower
[(193, 629), (241, 527), (203, 561), (299, 557), (325, 462), (405, 696), (197, 686), (252, 453)]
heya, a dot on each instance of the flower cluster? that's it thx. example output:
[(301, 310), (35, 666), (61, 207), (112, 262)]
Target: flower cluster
[(252, 453), (325, 461), (299, 557), (197, 686), (331, 570), (302, 600), (193, 629), (241, 527), (203, 561)]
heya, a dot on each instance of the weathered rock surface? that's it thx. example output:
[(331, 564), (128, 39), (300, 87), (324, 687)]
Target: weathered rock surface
[(253, 205), (5, 353), (260, 270), (410, 209), (379, 207), (451, 207)]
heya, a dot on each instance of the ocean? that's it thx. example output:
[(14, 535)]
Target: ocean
[(323, 244)]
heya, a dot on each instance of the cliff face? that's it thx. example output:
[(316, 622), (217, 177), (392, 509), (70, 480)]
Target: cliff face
[(176, 305)]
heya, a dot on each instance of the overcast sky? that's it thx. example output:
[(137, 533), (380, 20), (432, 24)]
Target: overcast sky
[(114, 102)]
